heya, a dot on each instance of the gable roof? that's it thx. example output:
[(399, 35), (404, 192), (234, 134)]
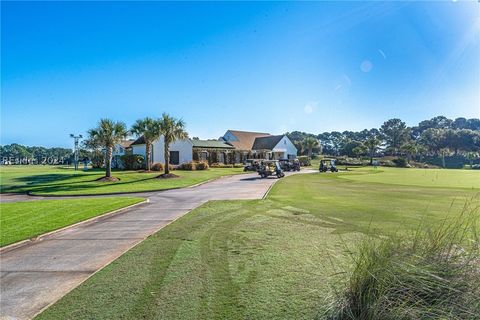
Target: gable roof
[(266, 143), (140, 140), (246, 139), (211, 144), (126, 143)]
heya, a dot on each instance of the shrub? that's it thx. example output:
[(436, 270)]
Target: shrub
[(191, 166), (387, 163), (157, 166), (202, 165), (345, 161), (133, 161), (400, 162), (433, 275), (451, 162), (221, 165), (304, 161), (97, 159), (422, 165)]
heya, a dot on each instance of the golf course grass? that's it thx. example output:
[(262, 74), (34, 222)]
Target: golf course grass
[(27, 219), (264, 259), (54, 180), (451, 178)]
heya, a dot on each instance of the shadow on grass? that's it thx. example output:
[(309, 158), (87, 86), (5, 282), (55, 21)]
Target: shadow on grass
[(52, 183), (45, 178), (83, 183)]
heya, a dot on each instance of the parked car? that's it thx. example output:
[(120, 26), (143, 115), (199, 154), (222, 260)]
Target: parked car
[(270, 168), (251, 165), (289, 164), (328, 165)]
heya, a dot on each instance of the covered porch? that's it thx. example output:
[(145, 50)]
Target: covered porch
[(213, 151)]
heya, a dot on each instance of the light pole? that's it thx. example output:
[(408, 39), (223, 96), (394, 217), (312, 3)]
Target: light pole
[(75, 150)]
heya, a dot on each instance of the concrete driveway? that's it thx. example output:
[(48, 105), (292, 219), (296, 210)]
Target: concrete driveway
[(38, 274)]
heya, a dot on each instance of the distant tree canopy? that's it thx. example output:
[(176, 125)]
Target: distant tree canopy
[(17, 151), (438, 136), (298, 139)]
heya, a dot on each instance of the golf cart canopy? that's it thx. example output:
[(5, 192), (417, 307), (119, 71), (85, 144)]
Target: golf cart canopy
[(269, 161)]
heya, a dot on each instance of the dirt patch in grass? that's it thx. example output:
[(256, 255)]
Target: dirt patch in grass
[(107, 179), (167, 176)]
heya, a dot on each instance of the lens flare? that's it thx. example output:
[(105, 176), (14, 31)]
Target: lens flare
[(366, 66)]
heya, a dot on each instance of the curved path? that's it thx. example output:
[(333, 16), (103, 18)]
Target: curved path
[(38, 274)]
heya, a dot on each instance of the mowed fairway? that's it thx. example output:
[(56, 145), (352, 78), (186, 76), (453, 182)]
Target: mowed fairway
[(27, 219), (452, 178), (263, 259), (55, 180)]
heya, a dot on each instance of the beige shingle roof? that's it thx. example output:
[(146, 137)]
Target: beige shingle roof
[(126, 143), (245, 139)]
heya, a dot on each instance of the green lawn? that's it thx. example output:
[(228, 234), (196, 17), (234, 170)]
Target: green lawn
[(52, 180), (27, 219), (444, 178), (263, 259)]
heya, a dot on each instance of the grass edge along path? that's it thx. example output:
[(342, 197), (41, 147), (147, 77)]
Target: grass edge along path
[(51, 181), (29, 219), (253, 258)]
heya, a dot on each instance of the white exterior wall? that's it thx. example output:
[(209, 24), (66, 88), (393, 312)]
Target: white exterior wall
[(184, 148), (287, 147)]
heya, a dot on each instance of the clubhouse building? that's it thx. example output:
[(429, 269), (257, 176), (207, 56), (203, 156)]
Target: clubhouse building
[(233, 147)]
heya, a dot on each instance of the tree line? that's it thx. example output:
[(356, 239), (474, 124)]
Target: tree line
[(17, 153), (438, 137)]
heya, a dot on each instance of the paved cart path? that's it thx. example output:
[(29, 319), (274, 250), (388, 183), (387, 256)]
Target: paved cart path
[(35, 275)]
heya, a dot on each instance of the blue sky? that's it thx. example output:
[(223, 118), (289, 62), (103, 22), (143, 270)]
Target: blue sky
[(275, 67)]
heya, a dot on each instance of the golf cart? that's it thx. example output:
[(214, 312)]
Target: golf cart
[(328, 165), (251, 165), (270, 168), (289, 164)]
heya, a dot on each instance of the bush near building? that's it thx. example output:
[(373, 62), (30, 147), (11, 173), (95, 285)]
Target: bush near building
[(304, 161), (133, 161)]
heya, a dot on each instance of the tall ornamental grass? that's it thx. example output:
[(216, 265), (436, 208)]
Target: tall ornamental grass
[(434, 274)]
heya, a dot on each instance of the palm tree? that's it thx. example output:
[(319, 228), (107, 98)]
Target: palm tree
[(150, 130), (372, 144), (172, 129), (107, 134), (443, 152), (471, 156), (309, 143), (410, 150)]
